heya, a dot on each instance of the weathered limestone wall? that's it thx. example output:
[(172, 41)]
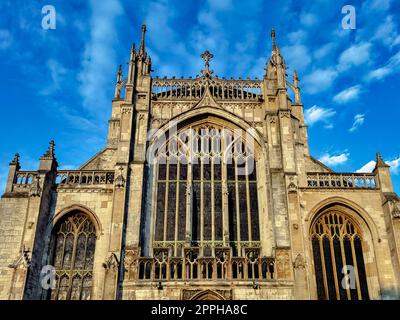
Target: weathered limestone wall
[(12, 224)]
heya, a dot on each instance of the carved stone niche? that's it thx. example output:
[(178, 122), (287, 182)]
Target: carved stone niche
[(283, 266), (209, 294), (131, 264)]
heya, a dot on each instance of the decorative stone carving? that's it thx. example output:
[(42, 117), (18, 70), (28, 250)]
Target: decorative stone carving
[(299, 262), (35, 189), (126, 110), (23, 260), (111, 262), (395, 212), (292, 188), (49, 154), (206, 294), (284, 114), (282, 263), (120, 180)]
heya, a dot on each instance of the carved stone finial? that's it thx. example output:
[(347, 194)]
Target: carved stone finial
[(133, 52), (15, 160), (207, 56), (50, 151), (379, 161), (142, 48), (119, 76), (273, 39), (296, 79)]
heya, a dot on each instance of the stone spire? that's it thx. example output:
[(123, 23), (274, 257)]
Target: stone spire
[(273, 39), (296, 90), (382, 170), (142, 48), (276, 64), (119, 76), (379, 161), (144, 61), (132, 65), (119, 84)]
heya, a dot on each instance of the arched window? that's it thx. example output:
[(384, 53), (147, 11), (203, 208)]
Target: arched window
[(74, 242), (206, 189), (338, 258)]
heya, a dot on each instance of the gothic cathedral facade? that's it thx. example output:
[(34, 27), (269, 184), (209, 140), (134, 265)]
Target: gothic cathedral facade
[(205, 190)]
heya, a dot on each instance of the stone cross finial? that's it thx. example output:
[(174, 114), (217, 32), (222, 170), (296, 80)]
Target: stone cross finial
[(207, 56)]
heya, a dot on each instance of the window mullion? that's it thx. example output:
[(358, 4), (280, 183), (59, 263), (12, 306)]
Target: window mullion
[(353, 252), (166, 200)]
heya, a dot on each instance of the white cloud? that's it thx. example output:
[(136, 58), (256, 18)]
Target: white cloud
[(358, 121), (394, 165), (348, 94), (391, 67), (296, 56), (318, 114), (6, 39), (319, 80), (334, 160), (57, 74), (354, 56), (367, 168), (308, 19), (325, 50), (297, 36), (370, 166), (99, 58), (379, 73), (386, 32)]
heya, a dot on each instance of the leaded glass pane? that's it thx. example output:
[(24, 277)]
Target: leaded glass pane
[(76, 254)]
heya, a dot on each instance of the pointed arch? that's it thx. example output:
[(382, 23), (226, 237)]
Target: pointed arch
[(182, 120), (359, 214), (78, 207), (342, 239), (207, 295)]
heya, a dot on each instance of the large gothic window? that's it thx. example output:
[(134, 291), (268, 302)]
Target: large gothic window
[(338, 258), (74, 241), (206, 191)]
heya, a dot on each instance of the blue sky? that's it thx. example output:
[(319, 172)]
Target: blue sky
[(58, 84)]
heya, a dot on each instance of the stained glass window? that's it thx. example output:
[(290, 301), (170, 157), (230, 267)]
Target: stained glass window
[(74, 240), (207, 173), (338, 258)]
